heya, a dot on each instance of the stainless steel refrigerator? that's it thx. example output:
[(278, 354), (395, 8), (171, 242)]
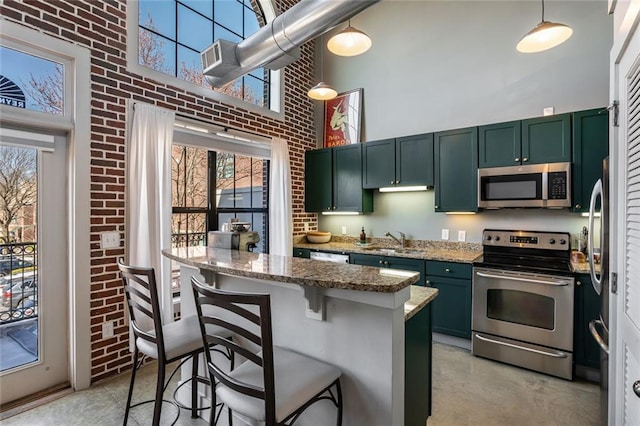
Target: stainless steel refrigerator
[(599, 327)]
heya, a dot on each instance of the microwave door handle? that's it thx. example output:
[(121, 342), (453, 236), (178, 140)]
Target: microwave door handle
[(528, 280), (597, 192), (545, 188)]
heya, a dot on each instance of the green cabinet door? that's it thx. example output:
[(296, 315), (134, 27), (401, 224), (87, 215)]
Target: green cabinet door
[(418, 365), (414, 160), (499, 144), (378, 163), (587, 308), (456, 170), (452, 307), (318, 180), (416, 265), (546, 139), (348, 194), (590, 147)]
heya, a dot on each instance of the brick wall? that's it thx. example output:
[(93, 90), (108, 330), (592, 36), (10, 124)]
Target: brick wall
[(101, 27)]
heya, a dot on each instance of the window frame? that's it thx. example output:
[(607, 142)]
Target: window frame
[(274, 110)]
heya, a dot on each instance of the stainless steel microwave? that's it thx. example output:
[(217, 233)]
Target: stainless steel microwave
[(532, 185)]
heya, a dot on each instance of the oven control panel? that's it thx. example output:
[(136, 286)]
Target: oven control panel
[(526, 239)]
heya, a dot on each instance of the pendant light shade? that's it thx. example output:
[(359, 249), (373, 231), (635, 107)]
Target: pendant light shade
[(349, 42), (322, 92), (544, 36)]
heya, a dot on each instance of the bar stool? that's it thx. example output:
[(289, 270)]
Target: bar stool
[(166, 343), (274, 385)]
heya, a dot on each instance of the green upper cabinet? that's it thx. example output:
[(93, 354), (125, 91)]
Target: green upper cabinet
[(456, 170), (318, 180), (414, 160), (348, 194), (546, 139), (405, 161), (499, 144), (333, 180), (378, 165), (590, 147)]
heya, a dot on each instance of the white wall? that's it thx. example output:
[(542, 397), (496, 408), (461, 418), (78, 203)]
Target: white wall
[(439, 65)]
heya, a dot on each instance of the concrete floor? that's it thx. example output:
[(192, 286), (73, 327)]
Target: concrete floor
[(466, 391)]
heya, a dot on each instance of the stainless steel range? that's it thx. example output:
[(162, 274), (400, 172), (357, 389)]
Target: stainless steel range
[(523, 296)]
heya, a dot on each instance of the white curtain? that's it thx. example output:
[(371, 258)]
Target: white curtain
[(280, 213), (149, 196)]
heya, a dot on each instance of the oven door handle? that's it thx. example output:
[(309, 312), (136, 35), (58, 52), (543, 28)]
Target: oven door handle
[(511, 345), (528, 280)]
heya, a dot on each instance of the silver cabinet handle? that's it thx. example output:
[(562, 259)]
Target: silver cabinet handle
[(391, 182), (528, 280), (525, 159), (447, 270), (516, 159), (380, 262), (636, 388), (596, 335), (511, 345)]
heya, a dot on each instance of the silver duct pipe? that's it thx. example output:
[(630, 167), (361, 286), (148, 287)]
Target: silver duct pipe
[(277, 44)]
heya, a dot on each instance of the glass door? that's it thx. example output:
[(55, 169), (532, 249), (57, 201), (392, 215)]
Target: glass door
[(33, 264)]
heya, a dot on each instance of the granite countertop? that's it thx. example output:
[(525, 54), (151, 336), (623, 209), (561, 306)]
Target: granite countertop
[(583, 267), (293, 270), (420, 297), (441, 252)]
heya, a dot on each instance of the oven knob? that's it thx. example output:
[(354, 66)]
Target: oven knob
[(488, 237), (552, 241), (497, 238), (563, 242)]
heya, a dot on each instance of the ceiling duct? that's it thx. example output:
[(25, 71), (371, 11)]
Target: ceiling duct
[(277, 44)]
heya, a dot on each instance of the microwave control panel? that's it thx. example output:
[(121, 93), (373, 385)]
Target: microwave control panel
[(557, 185)]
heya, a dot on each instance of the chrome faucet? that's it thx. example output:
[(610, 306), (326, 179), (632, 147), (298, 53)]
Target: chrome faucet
[(400, 241)]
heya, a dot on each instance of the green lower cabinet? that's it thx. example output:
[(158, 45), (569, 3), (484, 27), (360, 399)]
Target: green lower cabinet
[(452, 308), (301, 252), (417, 368), (587, 308), (416, 265)]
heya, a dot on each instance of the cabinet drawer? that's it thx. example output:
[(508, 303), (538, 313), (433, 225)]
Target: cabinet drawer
[(449, 269), (301, 252)]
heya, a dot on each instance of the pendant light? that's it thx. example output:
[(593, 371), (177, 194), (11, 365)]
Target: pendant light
[(544, 36), (322, 91), (349, 42)]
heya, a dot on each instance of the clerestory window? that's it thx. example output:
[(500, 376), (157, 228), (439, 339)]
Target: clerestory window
[(172, 33)]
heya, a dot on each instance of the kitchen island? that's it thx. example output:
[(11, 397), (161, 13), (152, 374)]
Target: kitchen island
[(349, 315)]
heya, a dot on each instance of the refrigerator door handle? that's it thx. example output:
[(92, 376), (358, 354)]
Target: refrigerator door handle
[(597, 192), (599, 340)]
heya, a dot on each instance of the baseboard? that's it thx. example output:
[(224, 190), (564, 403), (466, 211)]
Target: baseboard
[(452, 341)]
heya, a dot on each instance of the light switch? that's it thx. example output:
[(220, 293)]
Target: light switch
[(344, 230), (462, 236), (445, 234), (110, 239)]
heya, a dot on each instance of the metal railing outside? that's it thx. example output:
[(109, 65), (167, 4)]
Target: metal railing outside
[(18, 281)]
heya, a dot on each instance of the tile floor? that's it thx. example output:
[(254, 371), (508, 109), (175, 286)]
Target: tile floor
[(467, 391)]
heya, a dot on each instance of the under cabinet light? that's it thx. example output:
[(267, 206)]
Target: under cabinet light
[(460, 213), (341, 213), (403, 188)]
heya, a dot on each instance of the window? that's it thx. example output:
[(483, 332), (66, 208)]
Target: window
[(172, 33), (209, 188), (31, 82)]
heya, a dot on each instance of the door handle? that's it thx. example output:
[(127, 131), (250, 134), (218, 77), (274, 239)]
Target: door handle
[(511, 345), (636, 388), (595, 281), (528, 280), (599, 340)]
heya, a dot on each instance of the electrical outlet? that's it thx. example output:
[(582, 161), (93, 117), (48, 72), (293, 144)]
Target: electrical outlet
[(344, 230), (109, 239), (445, 234), (462, 236), (548, 111), (107, 329), (306, 227)]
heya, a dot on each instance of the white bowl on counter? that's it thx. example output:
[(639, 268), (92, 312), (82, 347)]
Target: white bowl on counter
[(318, 237)]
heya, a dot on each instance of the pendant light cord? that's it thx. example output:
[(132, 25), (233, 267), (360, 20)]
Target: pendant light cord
[(542, 10)]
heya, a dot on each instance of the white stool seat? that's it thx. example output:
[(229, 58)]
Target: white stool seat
[(298, 379)]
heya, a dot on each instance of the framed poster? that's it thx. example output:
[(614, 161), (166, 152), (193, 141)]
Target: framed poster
[(342, 116)]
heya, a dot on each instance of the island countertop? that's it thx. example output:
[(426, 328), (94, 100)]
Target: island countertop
[(293, 270)]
